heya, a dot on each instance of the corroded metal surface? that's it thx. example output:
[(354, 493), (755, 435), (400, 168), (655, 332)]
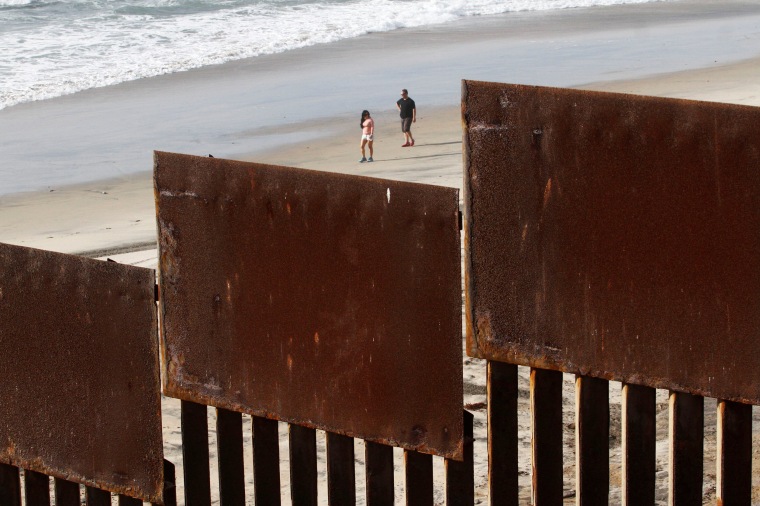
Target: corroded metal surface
[(326, 300), (615, 236), (79, 384)]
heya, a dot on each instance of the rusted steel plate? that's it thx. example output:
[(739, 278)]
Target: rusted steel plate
[(79, 377), (615, 236), (326, 300)]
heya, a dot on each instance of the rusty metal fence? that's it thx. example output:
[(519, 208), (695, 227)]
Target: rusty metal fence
[(614, 237), (338, 308), (330, 302), (79, 381), (609, 236)]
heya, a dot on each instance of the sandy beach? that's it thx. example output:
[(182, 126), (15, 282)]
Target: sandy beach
[(301, 109)]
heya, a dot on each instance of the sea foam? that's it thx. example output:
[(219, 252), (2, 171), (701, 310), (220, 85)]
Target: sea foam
[(56, 47)]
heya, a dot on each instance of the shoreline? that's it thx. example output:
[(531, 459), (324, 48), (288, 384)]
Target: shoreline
[(116, 216)]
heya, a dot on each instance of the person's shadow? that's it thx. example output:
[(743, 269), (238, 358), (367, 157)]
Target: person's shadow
[(435, 155)]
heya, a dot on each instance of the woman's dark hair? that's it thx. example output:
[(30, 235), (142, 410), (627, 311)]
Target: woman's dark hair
[(361, 121)]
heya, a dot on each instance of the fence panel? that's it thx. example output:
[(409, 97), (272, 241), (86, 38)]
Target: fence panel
[(80, 324), (616, 237), (323, 300), (286, 292)]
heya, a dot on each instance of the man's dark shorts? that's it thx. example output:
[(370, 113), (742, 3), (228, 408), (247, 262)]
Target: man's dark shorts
[(406, 124)]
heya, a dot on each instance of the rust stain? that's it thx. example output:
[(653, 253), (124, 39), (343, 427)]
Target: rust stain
[(547, 192)]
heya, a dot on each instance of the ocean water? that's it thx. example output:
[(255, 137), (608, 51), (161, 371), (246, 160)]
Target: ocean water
[(51, 48)]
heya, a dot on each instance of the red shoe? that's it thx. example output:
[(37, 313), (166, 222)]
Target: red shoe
[(412, 144), (405, 145)]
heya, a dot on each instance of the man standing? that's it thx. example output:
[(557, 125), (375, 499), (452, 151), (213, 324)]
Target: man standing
[(408, 116)]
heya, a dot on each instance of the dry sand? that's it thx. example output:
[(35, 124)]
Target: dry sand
[(115, 218)]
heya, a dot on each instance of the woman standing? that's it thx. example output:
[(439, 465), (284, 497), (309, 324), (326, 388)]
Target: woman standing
[(368, 135)]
